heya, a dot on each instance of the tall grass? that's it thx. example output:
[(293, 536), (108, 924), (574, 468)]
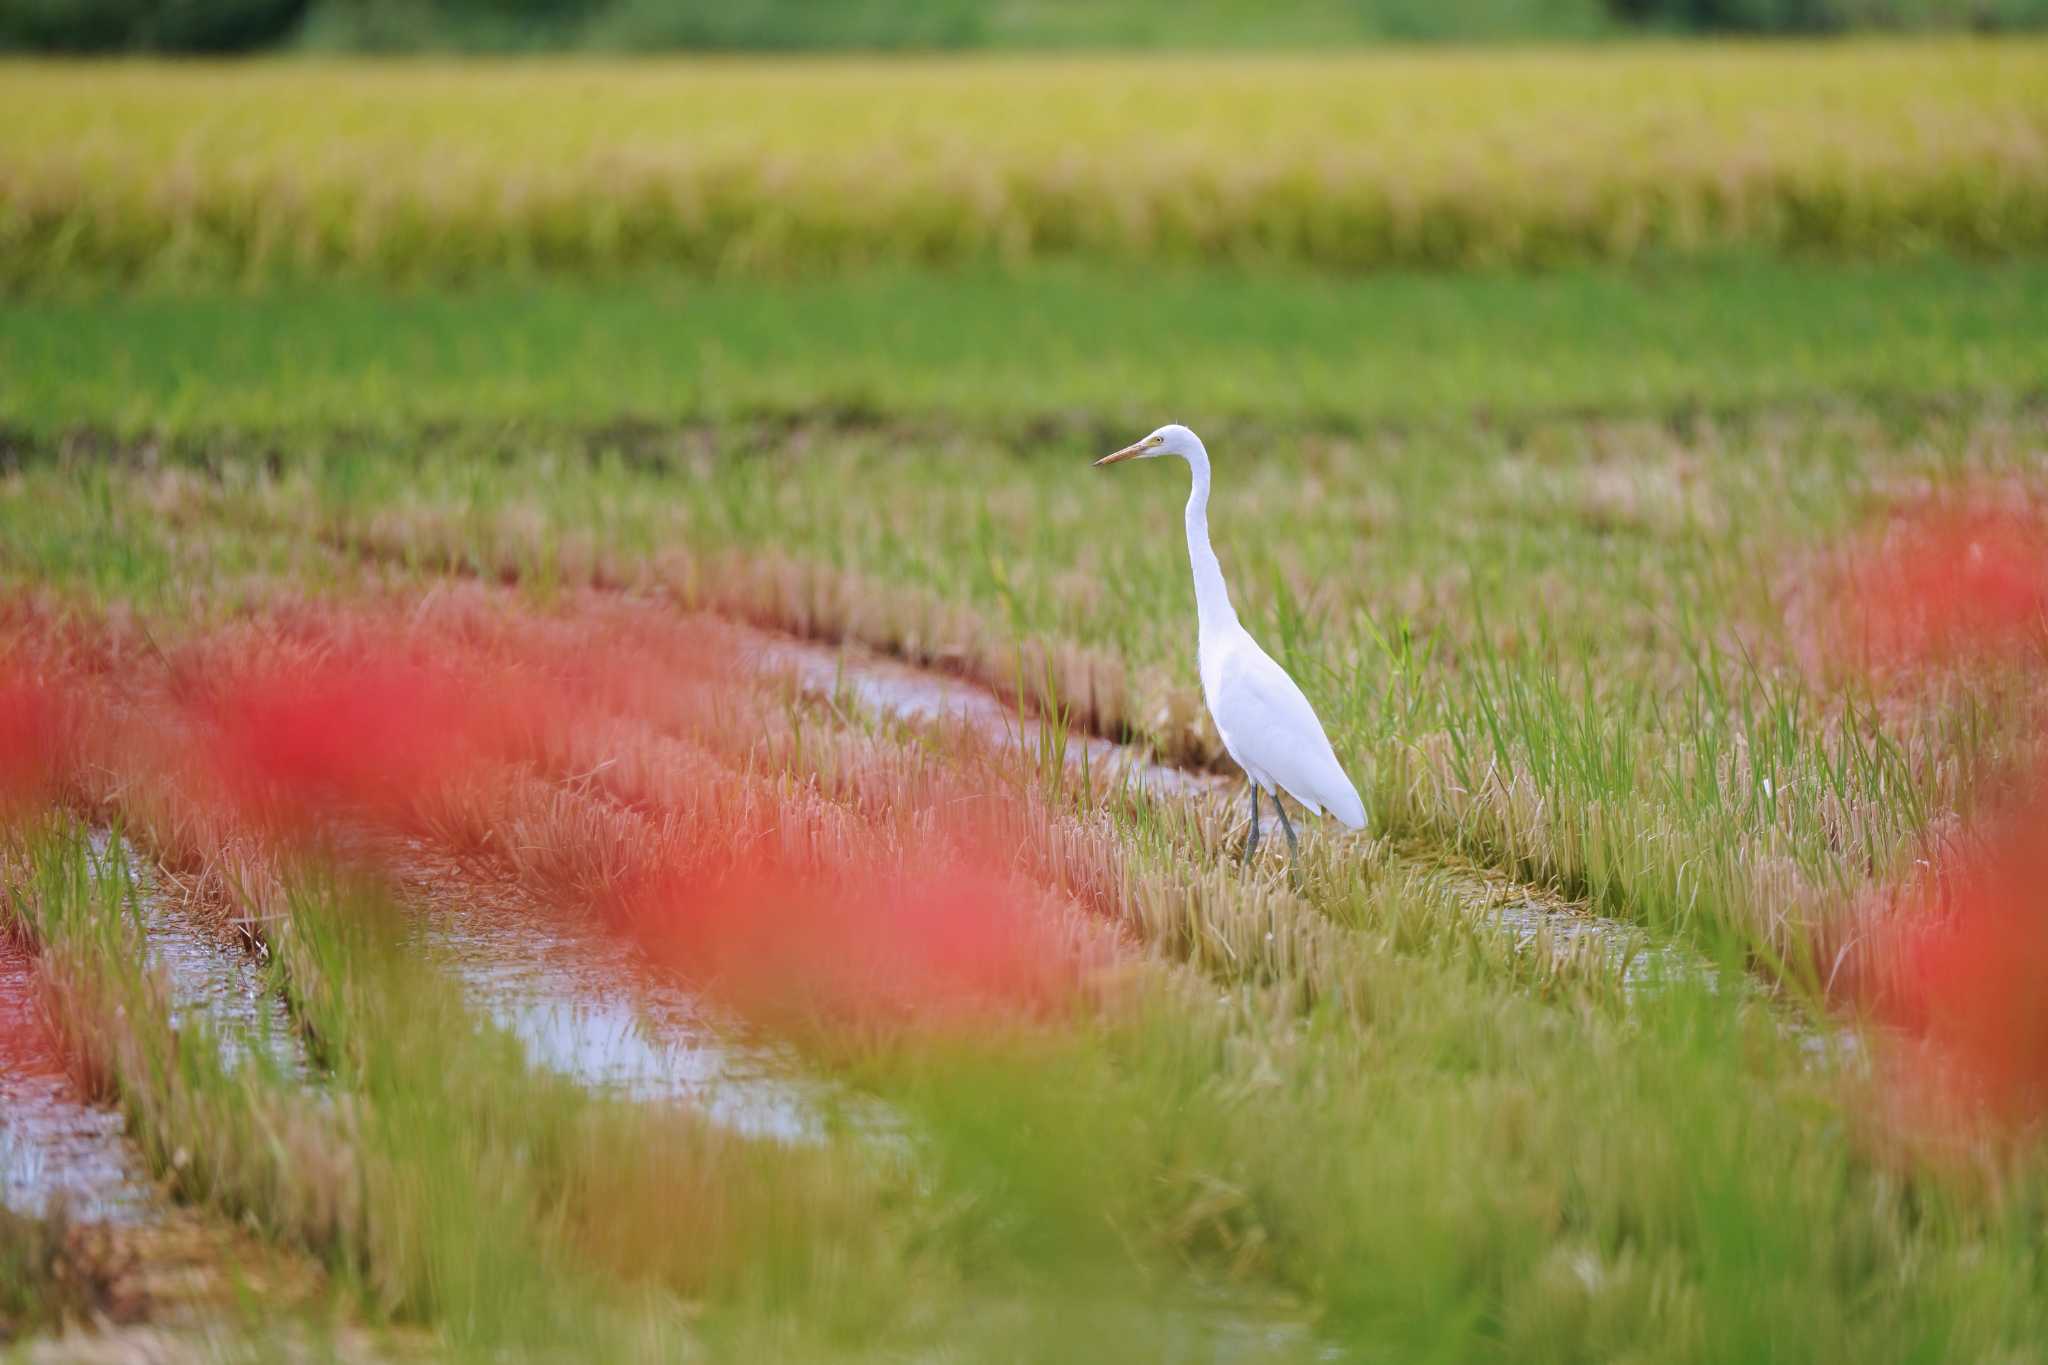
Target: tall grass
[(1566, 651), (1535, 159), (43, 1279), (1642, 734), (1430, 1149)]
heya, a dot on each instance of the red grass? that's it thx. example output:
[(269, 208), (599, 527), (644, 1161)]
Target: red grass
[(357, 731), (497, 732), (33, 718), (1952, 581), (873, 942), (1958, 958), (41, 685), (1968, 978)]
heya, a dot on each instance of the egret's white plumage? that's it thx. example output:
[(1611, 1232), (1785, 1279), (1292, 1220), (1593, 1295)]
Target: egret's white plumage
[(1266, 723)]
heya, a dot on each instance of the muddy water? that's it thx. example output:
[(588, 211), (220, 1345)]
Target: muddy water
[(587, 1004), (207, 980), (1643, 963), (897, 689), (54, 1145), (584, 1004)]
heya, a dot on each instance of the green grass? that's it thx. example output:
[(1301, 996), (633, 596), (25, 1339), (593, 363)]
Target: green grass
[(640, 26), (1009, 362), (41, 1283), (1429, 1159), (1528, 541)]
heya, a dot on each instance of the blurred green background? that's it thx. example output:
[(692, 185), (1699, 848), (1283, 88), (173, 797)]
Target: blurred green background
[(825, 25)]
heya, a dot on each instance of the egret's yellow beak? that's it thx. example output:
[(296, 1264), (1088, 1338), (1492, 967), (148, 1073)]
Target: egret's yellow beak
[(1130, 452)]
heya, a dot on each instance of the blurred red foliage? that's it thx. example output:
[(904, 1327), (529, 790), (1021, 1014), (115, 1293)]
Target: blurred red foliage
[(358, 728), (36, 723), (480, 722), (1952, 580), (869, 937), (1968, 969), (1956, 958)]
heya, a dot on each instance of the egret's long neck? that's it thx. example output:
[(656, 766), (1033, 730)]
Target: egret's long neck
[(1212, 599)]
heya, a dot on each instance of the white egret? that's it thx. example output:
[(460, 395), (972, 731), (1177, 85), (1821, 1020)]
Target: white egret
[(1267, 725)]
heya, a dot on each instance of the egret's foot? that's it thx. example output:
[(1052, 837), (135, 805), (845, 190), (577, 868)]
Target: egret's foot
[(1293, 844)]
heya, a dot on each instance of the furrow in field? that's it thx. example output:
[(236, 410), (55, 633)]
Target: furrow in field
[(67, 1153), (1540, 920), (586, 1005), (827, 663), (208, 981), (891, 687), (55, 1144)]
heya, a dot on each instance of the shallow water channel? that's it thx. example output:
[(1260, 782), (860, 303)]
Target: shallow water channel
[(55, 1142), (584, 1004), (893, 688), (209, 981)]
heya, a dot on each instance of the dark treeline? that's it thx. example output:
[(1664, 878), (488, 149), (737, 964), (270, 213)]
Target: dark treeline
[(824, 25)]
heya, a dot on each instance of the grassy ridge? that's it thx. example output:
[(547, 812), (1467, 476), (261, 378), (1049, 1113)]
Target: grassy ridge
[(437, 172), (1013, 359)]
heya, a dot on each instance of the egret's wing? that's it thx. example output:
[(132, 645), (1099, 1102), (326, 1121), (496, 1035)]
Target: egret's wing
[(1271, 724)]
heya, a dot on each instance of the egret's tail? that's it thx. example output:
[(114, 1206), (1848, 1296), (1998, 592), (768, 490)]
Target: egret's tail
[(1336, 796), (1348, 808)]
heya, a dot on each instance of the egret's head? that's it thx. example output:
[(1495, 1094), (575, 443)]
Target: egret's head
[(1171, 439)]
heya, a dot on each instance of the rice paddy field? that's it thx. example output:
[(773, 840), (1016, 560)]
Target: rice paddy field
[(419, 172), (588, 771)]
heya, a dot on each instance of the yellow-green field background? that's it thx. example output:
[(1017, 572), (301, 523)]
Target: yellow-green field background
[(423, 170)]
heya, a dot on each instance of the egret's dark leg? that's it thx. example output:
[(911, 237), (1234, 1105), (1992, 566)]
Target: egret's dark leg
[(1251, 845), (1293, 846)]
